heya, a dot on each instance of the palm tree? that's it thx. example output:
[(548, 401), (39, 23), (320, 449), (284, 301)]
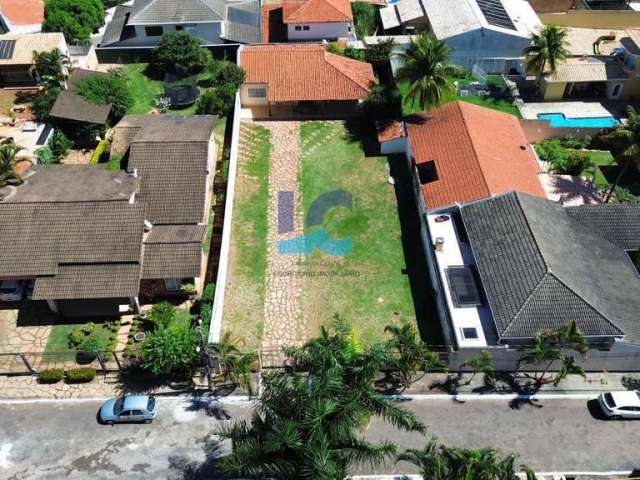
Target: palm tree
[(8, 161), (427, 71), (447, 463), (482, 364), (306, 422), (547, 49), (51, 67), (238, 366), (410, 358), (625, 142)]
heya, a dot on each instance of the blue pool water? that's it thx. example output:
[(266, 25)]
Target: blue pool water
[(559, 120)]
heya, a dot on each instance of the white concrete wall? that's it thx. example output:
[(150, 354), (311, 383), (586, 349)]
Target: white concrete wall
[(211, 32), (248, 101), (319, 31)]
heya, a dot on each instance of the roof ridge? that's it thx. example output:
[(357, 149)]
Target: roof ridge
[(304, 3), (533, 236), (328, 55), (458, 104)]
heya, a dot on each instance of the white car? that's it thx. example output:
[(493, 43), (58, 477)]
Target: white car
[(11, 290), (617, 405)]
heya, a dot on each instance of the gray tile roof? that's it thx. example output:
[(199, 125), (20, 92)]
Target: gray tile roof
[(172, 11), (74, 183), (540, 269), (617, 223), (243, 22), (171, 155), (113, 30), (173, 251), (112, 280), (71, 106), (41, 238)]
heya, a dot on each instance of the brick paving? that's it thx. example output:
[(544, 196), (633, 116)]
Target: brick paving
[(282, 309)]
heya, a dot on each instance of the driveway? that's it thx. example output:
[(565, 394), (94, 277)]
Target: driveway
[(63, 440)]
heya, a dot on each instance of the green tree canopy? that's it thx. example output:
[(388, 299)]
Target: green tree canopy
[(305, 425), (104, 89), (172, 349), (51, 67), (180, 54), (8, 161), (77, 19), (427, 71)]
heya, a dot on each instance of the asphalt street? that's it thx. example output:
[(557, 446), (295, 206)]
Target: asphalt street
[(64, 440)]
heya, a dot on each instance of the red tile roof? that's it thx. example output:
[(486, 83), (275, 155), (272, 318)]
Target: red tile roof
[(389, 130), (273, 28), (306, 71), (317, 11), (23, 12), (478, 152)]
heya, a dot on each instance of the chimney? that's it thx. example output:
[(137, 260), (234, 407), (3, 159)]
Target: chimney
[(439, 245)]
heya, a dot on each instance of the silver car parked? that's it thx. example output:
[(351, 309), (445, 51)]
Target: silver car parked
[(617, 405), (132, 408)]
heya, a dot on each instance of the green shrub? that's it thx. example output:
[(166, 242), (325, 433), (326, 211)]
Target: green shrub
[(88, 328), (76, 337), (335, 48), (45, 155), (216, 102), (115, 163), (98, 152), (80, 375), (573, 163), (171, 350), (77, 19), (108, 89), (59, 145), (364, 16), (180, 54), (161, 315), (354, 53), (624, 195), (42, 102), (208, 293), (98, 341), (569, 141), (551, 151), (51, 375), (379, 54), (188, 288), (231, 74)]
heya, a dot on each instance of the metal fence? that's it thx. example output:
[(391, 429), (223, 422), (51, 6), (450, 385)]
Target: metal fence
[(23, 363)]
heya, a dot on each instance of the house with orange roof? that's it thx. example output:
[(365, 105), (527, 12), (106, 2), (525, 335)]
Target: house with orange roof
[(305, 20), (461, 153), (302, 79), (21, 16)]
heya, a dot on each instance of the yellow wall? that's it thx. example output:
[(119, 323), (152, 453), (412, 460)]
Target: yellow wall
[(553, 91), (612, 19)]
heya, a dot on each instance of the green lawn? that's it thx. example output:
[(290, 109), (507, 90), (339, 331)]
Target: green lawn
[(599, 159), (496, 104), (366, 286), (244, 301), (59, 337)]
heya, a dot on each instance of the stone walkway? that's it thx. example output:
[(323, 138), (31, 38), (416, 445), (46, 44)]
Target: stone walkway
[(282, 311)]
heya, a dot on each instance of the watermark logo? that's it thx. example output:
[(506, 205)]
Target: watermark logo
[(320, 238)]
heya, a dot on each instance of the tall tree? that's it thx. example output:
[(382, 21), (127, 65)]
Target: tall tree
[(427, 71), (8, 162), (548, 48), (625, 145), (305, 425), (51, 67), (439, 462)]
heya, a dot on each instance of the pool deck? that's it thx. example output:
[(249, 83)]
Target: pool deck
[(569, 109)]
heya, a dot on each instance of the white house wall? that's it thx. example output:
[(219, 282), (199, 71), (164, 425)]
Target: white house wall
[(319, 31)]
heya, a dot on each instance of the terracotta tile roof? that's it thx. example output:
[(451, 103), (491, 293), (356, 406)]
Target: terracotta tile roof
[(389, 130), (273, 28), (477, 152), (23, 12), (299, 72), (317, 11)]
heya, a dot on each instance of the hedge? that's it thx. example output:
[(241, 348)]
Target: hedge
[(80, 375), (51, 375)]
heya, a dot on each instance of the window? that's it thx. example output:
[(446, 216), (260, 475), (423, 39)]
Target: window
[(151, 404), (260, 92), (462, 285), (172, 284), (608, 399), (427, 172), (191, 28), (305, 27), (153, 31), (298, 28), (136, 412), (179, 27), (469, 333)]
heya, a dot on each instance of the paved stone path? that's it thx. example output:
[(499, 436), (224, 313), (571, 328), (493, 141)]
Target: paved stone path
[(282, 311)]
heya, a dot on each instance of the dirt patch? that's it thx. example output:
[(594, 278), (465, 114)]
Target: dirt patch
[(78, 157)]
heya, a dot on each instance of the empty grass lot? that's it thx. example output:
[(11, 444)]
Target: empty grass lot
[(367, 286), (244, 300)]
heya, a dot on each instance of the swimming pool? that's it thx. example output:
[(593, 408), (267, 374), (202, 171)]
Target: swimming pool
[(559, 120)]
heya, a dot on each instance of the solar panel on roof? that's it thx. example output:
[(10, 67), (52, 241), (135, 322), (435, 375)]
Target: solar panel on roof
[(463, 288), (6, 49), (496, 15)]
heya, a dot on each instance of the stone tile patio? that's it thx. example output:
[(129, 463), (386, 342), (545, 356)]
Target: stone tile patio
[(24, 329), (577, 109)]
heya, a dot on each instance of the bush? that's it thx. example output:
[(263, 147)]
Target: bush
[(171, 350), (80, 375), (551, 151), (88, 328), (45, 155), (354, 53), (231, 74), (51, 375), (76, 337), (161, 315), (569, 141), (180, 54), (624, 195), (572, 163), (108, 89), (384, 102), (98, 152), (364, 16), (216, 102), (43, 101), (115, 163), (208, 293), (59, 145), (379, 54), (97, 342), (76, 19)]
